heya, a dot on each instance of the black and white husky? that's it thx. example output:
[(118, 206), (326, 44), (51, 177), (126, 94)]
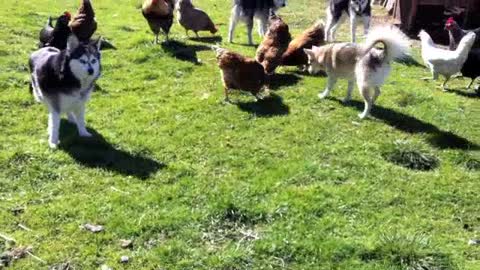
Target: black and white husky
[(354, 9), (247, 10), (63, 81)]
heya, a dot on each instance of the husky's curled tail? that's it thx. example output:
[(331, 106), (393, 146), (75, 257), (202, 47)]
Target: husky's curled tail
[(396, 43)]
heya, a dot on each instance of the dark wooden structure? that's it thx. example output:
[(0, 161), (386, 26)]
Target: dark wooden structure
[(412, 15)]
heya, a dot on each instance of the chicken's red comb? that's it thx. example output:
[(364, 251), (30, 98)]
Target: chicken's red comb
[(450, 20), (66, 13)]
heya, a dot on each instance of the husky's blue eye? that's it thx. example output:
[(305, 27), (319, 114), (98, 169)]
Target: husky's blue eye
[(83, 61), (93, 61)]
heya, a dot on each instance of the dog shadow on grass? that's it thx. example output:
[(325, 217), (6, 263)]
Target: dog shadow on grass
[(278, 80), (184, 52), (96, 152), (438, 138), (268, 107)]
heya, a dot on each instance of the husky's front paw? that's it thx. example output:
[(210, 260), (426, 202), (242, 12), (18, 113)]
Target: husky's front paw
[(85, 134), (362, 115), (346, 100), (53, 144), (323, 95)]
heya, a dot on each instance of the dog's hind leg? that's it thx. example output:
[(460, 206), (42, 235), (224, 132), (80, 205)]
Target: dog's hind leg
[(71, 118), (53, 129), (366, 24), (233, 23), (262, 23), (376, 94), (249, 31), (331, 21), (330, 84), (80, 117), (365, 92), (353, 25), (348, 97)]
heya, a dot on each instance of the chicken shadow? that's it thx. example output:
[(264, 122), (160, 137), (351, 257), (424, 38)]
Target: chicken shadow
[(212, 39), (469, 94), (96, 152), (409, 61), (278, 80), (182, 51), (297, 71), (438, 138), (268, 107)]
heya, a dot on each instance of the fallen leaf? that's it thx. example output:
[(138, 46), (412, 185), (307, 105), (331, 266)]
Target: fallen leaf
[(105, 267), (124, 259), (20, 252), (62, 266), (125, 243), (93, 228), (474, 242)]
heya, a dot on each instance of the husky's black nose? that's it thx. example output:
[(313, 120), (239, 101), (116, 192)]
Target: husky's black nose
[(90, 71)]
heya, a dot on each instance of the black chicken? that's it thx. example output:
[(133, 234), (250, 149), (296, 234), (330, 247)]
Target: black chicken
[(55, 36), (470, 67)]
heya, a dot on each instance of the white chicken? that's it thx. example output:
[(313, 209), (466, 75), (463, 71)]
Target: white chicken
[(445, 62)]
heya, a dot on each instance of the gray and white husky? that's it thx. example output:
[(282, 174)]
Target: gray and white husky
[(63, 81), (247, 10)]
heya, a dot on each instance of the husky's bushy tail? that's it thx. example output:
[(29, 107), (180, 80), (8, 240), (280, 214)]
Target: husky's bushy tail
[(397, 44)]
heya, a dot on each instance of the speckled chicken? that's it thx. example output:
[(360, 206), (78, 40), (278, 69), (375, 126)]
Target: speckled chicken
[(159, 15), (241, 73), (194, 19), (83, 25), (274, 44)]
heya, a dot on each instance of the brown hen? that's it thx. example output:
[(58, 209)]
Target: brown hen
[(241, 73), (313, 36), (83, 25), (274, 44)]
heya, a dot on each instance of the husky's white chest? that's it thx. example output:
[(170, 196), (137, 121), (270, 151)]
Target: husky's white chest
[(71, 101)]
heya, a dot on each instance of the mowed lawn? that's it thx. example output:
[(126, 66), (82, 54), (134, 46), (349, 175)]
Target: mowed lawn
[(293, 182)]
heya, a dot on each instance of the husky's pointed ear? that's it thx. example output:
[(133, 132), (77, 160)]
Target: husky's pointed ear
[(309, 53), (72, 43), (98, 43)]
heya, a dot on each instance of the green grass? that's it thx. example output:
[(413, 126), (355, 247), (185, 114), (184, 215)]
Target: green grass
[(294, 182)]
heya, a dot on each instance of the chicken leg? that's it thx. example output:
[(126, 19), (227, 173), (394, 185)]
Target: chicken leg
[(444, 84), (470, 84)]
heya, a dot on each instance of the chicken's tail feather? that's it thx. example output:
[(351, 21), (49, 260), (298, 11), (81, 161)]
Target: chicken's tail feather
[(49, 21)]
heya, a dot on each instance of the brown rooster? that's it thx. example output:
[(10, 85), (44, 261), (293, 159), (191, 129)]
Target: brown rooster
[(83, 25), (159, 15), (313, 36), (274, 44), (241, 73)]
